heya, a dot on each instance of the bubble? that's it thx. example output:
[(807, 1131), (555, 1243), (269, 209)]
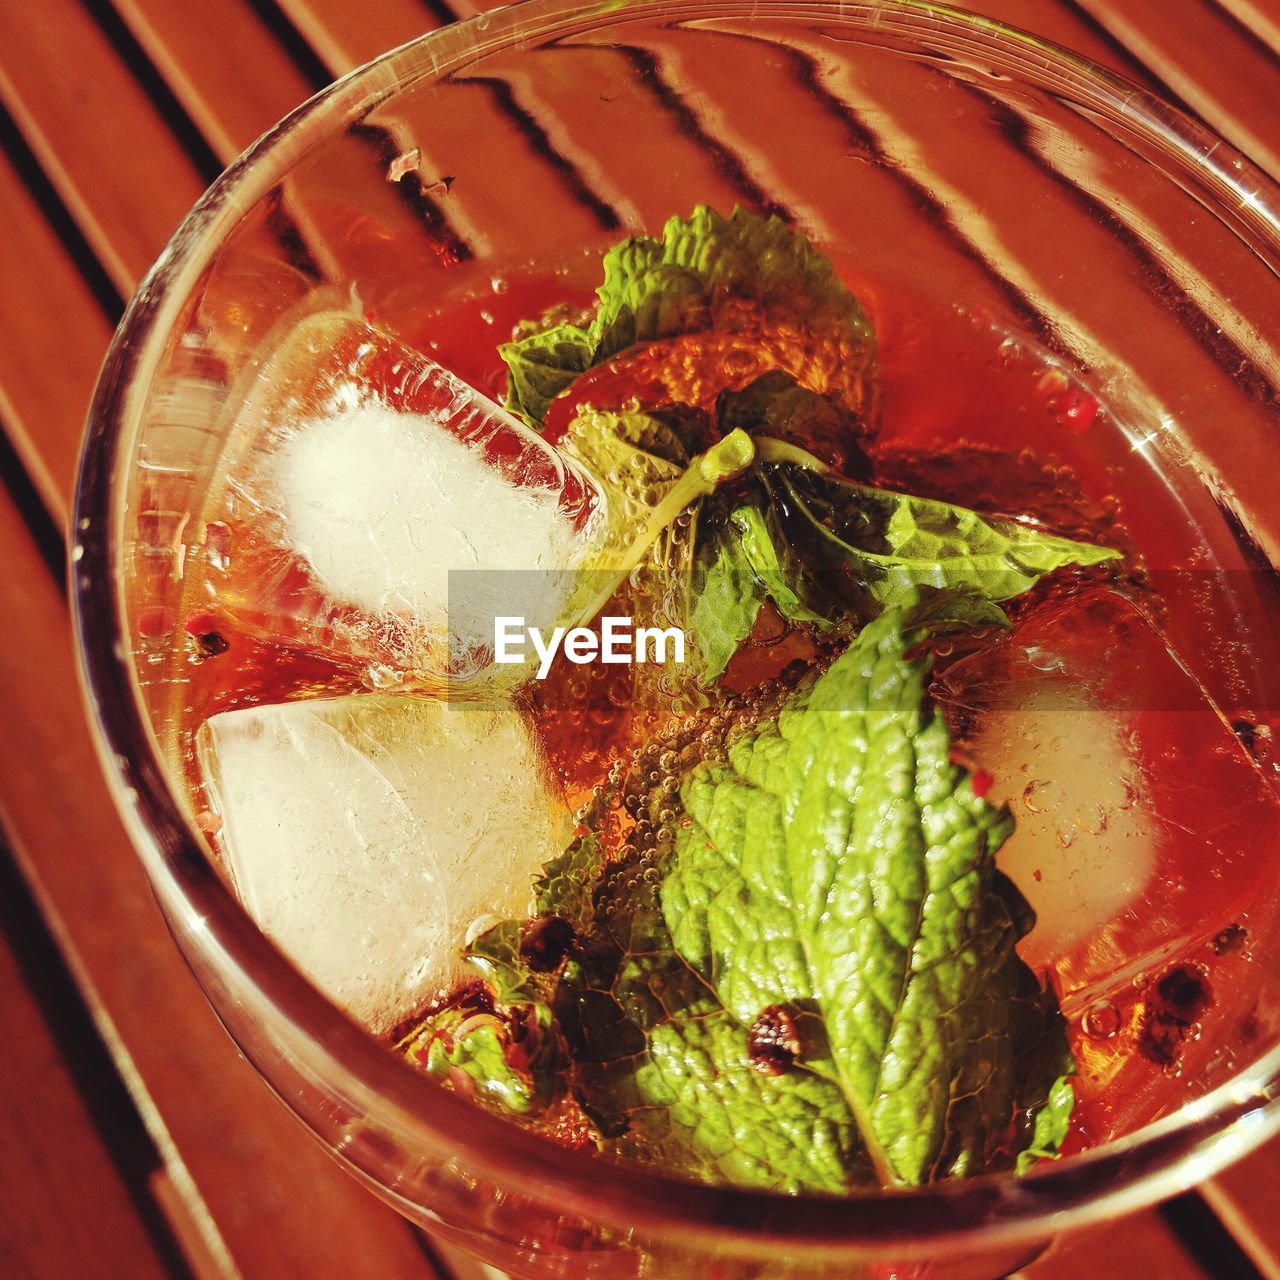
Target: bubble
[(1007, 352), (1101, 1021)]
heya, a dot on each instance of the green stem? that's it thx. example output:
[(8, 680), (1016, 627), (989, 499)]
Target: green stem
[(725, 460), (770, 450)]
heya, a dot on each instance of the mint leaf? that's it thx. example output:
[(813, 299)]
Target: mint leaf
[(887, 543), (732, 297), (839, 862), (1050, 1127), (653, 483), (665, 1073), (744, 562), (542, 365), (800, 525), (512, 1059), (829, 867)]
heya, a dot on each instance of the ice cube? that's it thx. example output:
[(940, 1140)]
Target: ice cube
[(358, 477), (365, 834), (1142, 824)]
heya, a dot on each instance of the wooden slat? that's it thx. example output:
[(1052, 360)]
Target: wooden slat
[(259, 1188), (1245, 1196), (55, 333), (65, 1211), (1230, 78), (345, 35), (477, 138), (117, 165), (626, 102), (472, 132), (462, 1266), (1132, 1248), (1066, 23), (1262, 17), (1120, 308), (861, 208), (232, 76)]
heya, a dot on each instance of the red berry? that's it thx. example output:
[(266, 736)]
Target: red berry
[(1076, 410), (980, 781)]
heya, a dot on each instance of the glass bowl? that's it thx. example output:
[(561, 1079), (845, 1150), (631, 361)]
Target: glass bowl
[(948, 156)]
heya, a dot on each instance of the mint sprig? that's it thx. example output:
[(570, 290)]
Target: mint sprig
[(829, 550), (827, 867), (745, 284), (838, 863)]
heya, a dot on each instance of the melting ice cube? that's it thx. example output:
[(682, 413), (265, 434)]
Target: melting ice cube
[(365, 834), (1142, 824), (359, 478)]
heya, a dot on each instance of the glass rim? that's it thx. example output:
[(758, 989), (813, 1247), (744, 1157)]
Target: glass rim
[(1124, 1174)]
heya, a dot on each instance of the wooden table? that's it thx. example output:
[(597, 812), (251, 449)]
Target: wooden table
[(134, 1140)]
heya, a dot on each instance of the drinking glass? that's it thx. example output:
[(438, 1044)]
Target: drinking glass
[(945, 156)]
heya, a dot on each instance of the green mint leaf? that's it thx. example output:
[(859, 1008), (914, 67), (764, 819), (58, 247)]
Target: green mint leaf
[(886, 544), (827, 870), (1050, 1127), (867, 547), (770, 559), (542, 365), (665, 1073), (742, 563), (567, 885), (512, 1060), (839, 862), (733, 296), (497, 956)]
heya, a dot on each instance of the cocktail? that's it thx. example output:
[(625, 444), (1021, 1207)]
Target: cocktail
[(702, 700)]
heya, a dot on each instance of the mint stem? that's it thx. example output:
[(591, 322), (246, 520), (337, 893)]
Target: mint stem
[(770, 450), (725, 460)]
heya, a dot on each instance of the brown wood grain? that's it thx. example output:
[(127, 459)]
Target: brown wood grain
[(1132, 1248), (345, 35), (55, 334), (1246, 1198), (654, 120), (64, 1209), (232, 76), (1261, 17), (1213, 62), (478, 133), (127, 181), (116, 164), (260, 1190)]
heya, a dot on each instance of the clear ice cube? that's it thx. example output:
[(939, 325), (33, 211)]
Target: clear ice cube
[(366, 834), (1142, 824), (359, 478)]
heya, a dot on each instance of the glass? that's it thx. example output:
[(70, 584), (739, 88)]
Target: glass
[(937, 150)]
